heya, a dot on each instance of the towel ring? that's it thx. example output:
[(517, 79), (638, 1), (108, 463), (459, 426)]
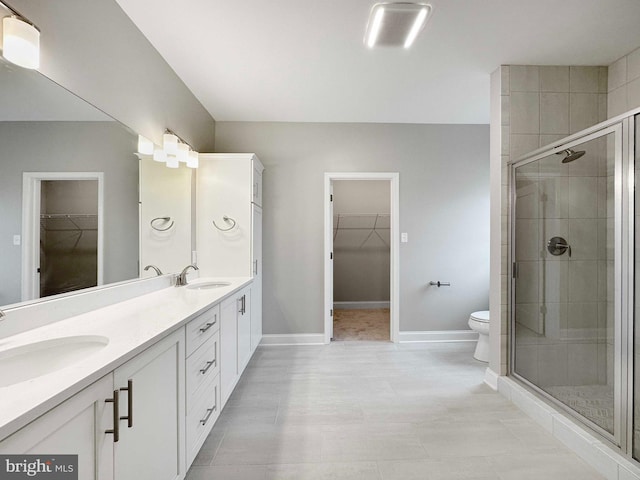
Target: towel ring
[(228, 220), (164, 219)]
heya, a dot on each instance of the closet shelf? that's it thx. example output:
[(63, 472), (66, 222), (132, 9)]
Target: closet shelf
[(366, 222), (59, 222)]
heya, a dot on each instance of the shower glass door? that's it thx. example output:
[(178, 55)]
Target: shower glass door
[(565, 231)]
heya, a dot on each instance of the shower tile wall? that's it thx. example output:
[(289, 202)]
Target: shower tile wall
[(541, 104), (624, 84)]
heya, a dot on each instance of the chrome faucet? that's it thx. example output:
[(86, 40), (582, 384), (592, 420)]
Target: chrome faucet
[(181, 280), (158, 271), (2, 314)]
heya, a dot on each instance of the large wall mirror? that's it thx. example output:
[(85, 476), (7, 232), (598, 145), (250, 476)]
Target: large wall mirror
[(76, 203)]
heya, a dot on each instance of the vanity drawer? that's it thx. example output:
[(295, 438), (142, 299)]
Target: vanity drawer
[(200, 329), (203, 415), (202, 365)]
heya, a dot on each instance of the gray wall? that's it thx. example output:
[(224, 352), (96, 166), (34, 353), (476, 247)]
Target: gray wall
[(362, 260), (444, 207), (68, 147), (92, 48)]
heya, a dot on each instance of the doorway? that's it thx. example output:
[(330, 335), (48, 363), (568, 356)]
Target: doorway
[(361, 248), (62, 234)]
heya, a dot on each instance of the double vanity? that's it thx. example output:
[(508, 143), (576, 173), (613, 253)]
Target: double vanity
[(133, 388), (134, 378)]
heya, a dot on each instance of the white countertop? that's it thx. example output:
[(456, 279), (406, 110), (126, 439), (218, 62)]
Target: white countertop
[(131, 326)]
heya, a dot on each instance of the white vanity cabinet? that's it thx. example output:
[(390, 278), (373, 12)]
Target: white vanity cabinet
[(203, 379), (152, 413), (75, 427), (230, 185), (256, 286), (235, 340), (128, 425), (148, 417)]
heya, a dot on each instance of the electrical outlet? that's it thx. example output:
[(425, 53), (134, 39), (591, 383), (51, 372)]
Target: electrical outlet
[(404, 237), (17, 240)]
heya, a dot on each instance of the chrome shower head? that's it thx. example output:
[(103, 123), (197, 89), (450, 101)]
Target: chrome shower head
[(571, 155)]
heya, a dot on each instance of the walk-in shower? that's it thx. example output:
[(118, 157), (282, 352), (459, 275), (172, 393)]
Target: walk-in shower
[(572, 291)]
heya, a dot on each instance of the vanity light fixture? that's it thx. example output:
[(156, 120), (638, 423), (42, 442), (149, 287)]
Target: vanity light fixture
[(159, 155), (183, 152), (170, 143), (174, 150), (396, 24), (172, 161), (20, 40), (145, 146)]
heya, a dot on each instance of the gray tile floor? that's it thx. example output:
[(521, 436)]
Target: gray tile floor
[(357, 410)]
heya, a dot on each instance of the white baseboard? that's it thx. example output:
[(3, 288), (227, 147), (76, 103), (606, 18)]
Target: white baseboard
[(360, 305), (293, 339), (438, 336), (491, 378)]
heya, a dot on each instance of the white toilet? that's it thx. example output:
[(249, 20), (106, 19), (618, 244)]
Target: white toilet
[(479, 322)]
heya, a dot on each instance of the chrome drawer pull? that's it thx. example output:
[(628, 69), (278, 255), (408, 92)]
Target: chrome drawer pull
[(209, 413), (116, 415), (129, 390), (207, 367), (208, 326)]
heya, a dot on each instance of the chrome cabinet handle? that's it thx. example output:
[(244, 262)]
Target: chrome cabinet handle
[(116, 415), (208, 415), (212, 409), (208, 365), (129, 416), (255, 269), (208, 325), (242, 304)]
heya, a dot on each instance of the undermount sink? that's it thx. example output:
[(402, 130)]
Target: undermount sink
[(25, 362), (207, 285)]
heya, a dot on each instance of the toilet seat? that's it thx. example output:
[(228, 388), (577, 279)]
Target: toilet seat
[(481, 316)]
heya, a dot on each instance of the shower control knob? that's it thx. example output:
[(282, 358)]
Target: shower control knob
[(557, 246)]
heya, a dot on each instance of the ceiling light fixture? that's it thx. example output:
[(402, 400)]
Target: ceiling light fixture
[(20, 40), (372, 36), (396, 24)]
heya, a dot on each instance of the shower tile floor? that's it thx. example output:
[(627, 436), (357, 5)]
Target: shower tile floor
[(371, 324), (593, 401), (373, 410)]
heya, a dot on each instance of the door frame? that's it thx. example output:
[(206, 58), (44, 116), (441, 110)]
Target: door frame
[(394, 199), (31, 185)]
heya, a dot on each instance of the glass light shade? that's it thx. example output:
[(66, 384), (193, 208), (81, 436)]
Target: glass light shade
[(159, 155), (170, 144), (145, 146), (172, 161), (183, 152), (20, 42), (192, 161)]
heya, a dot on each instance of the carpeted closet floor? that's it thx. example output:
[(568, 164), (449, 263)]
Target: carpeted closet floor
[(361, 325)]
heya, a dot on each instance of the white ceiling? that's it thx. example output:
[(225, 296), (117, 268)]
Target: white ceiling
[(304, 61)]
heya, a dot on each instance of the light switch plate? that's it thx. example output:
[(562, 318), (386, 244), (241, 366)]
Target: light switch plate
[(17, 240), (404, 237)]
